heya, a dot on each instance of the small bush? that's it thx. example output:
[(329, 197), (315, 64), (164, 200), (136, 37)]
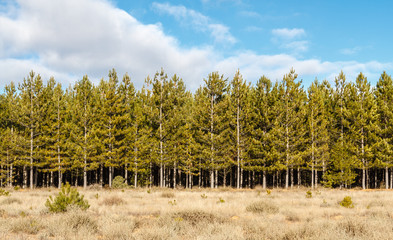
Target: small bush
[(204, 196), (173, 203), (67, 197), (167, 195), (221, 200), (262, 207), (308, 194), (4, 192), (114, 200), (268, 191), (17, 187), (119, 182), (347, 202)]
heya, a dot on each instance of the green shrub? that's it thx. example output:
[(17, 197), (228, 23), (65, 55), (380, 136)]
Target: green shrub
[(119, 182), (67, 197), (262, 207), (308, 194), (4, 192), (17, 187), (221, 200), (347, 202), (204, 196), (268, 191)]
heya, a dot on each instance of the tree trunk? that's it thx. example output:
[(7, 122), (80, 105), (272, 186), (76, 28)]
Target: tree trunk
[(85, 156), (386, 177), (31, 157), (101, 175), (238, 143), (174, 175), (264, 179)]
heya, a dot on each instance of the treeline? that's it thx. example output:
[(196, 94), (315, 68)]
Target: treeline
[(227, 133)]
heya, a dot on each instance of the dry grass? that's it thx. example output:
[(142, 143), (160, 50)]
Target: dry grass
[(245, 214)]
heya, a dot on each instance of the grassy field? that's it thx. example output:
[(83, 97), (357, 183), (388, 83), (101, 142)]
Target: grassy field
[(201, 214)]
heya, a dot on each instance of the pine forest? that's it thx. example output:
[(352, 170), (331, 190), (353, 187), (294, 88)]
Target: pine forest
[(228, 133)]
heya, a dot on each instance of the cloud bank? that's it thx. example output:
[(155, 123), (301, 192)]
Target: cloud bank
[(68, 39)]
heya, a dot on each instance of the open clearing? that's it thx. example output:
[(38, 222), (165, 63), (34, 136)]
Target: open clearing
[(201, 214)]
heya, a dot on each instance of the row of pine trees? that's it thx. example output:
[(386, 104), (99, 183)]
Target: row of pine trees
[(227, 133)]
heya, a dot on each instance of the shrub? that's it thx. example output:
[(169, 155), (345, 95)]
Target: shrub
[(347, 202), (268, 191), (173, 203), (308, 194), (17, 187), (204, 196), (114, 200), (119, 182), (4, 192), (221, 200), (262, 207), (67, 197)]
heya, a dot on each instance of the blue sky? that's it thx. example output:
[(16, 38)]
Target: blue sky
[(68, 39)]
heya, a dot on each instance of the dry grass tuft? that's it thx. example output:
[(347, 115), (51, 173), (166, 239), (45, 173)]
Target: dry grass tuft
[(262, 207), (11, 200), (195, 217), (113, 200), (77, 220), (29, 225), (168, 194)]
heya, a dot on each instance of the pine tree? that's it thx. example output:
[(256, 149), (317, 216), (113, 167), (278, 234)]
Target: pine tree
[(261, 123), (112, 117), (362, 112), (83, 124), (209, 101), (30, 118), (176, 142), (239, 93), (128, 103), (290, 127), (341, 169), (318, 135), (384, 100)]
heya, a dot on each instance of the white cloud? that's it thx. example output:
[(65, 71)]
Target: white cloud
[(253, 29), (288, 39), (198, 21), (296, 46), (68, 39), (289, 33), (350, 51)]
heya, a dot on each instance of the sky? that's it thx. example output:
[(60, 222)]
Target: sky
[(192, 38)]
